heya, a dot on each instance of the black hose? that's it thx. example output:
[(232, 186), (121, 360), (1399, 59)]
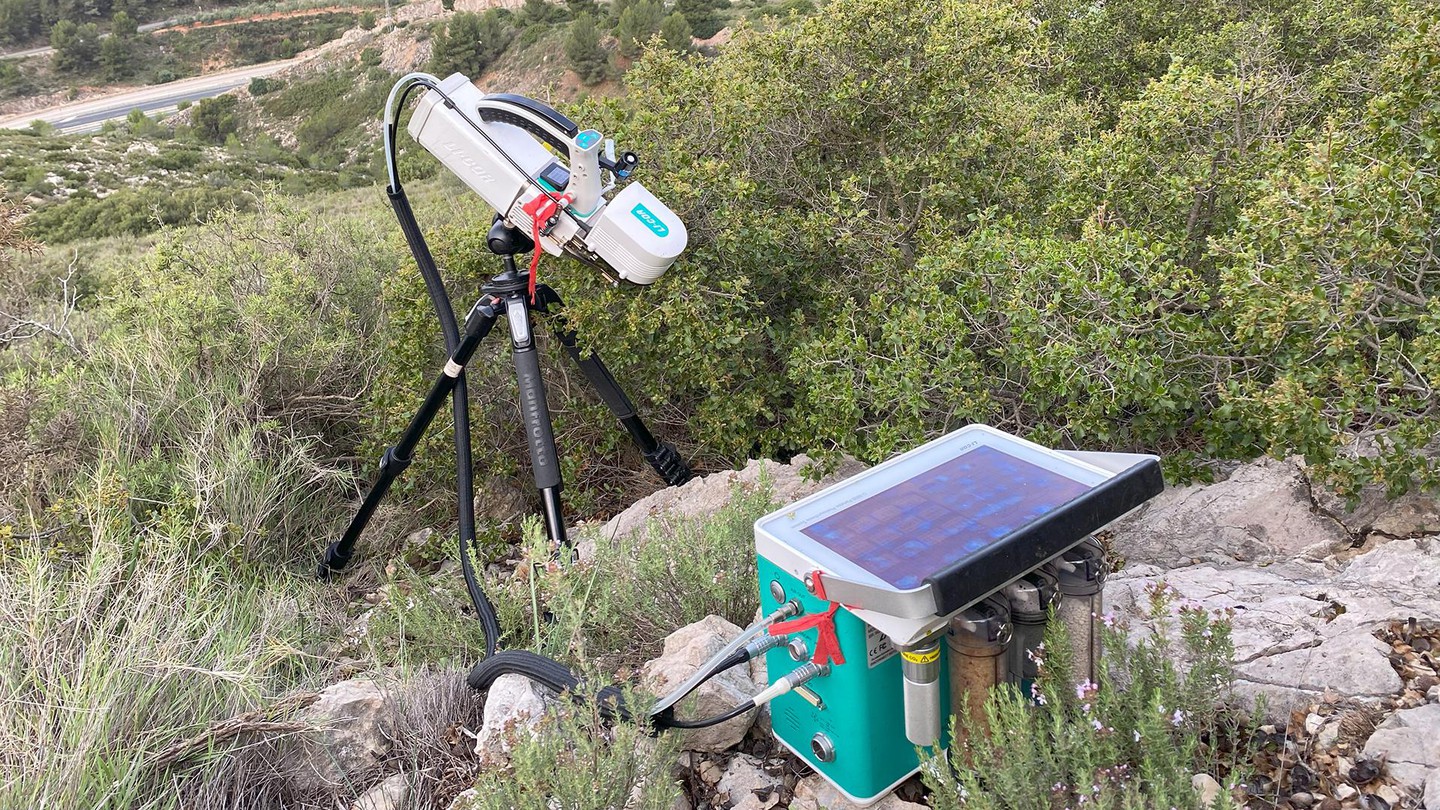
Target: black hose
[(666, 720), (552, 673), (460, 406)]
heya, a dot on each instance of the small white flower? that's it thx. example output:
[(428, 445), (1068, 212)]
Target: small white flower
[(1137, 735), (1177, 718), (1035, 693)]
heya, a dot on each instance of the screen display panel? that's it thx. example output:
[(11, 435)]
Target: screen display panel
[(924, 524)]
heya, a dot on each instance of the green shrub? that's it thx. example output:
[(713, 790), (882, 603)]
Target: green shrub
[(576, 759), (260, 85), (619, 606), (1156, 284), (216, 118), (222, 393)]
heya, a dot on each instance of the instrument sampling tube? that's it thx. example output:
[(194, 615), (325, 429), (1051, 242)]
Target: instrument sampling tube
[(1082, 583), (1030, 599), (978, 639)]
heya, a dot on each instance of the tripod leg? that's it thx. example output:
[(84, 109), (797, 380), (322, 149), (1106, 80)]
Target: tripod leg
[(539, 433), (663, 457), (397, 458)]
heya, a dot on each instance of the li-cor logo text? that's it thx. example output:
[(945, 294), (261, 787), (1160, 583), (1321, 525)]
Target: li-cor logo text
[(467, 161), (651, 221)]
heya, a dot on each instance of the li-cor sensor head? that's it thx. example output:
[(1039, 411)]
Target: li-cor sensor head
[(546, 176)]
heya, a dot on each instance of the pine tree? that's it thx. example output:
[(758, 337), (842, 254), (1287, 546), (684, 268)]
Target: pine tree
[(19, 20), (582, 49), (578, 7), (123, 26), (637, 25), (676, 32), (77, 47), (617, 10), (115, 60), (540, 12), (471, 42), (703, 16)]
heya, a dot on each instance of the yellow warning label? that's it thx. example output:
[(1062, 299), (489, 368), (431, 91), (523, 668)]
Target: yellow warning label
[(921, 657)]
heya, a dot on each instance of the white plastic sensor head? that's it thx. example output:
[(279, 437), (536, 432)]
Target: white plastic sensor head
[(637, 235), (505, 160)]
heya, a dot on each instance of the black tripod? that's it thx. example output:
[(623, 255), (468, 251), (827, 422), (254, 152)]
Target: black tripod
[(507, 294)]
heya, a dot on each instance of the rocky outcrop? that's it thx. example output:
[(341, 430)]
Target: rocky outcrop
[(1409, 743), (747, 786), (1314, 591), (1262, 512), (391, 794), (814, 793), (709, 494)]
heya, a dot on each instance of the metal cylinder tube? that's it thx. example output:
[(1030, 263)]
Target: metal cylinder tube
[(920, 669)]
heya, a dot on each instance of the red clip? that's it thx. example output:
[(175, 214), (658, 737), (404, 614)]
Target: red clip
[(827, 645), (541, 208)]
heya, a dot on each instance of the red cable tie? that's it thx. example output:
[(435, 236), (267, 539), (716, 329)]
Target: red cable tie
[(827, 644)]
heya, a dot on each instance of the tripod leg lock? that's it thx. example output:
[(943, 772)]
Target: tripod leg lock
[(392, 464), (334, 561), (666, 461)]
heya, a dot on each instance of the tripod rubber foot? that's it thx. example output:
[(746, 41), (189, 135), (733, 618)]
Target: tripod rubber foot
[(666, 461), (333, 562)]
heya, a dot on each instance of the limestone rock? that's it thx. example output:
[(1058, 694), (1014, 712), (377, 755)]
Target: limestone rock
[(1414, 513), (1299, 628), (391, 794), (353, 722), (1262, 511), (748, 786), (814, 793), (1206, 787), (1410, 742), (685, 651), (709, 494), (1432, 791), (464, 800), (514, 704)]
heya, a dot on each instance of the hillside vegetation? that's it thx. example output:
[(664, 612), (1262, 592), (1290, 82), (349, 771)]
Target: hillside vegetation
[(1195, 228)]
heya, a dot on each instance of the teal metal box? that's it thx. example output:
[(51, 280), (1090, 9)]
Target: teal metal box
[(860, 712), (887, 558)]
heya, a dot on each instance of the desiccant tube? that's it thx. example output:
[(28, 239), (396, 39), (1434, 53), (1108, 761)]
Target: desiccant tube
[(920, 667), (1030, 599), (978, 639), (1082, 584)]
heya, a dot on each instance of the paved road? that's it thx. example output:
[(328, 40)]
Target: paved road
[(89, 115)]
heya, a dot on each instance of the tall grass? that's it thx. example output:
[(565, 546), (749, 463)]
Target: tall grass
[(110, 658), (211, 408)]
